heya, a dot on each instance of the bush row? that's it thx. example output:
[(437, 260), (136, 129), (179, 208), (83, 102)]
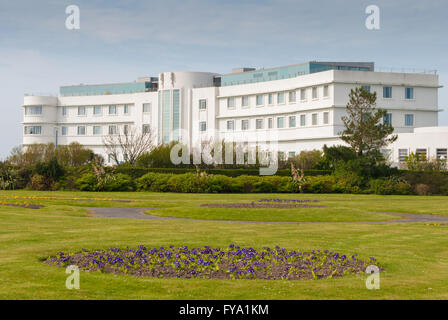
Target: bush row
[(204, 183), (139, 172)]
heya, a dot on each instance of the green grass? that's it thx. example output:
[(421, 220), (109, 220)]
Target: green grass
[(415, 255)]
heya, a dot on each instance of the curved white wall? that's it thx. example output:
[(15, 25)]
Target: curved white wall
[(47, 120), (40, 100)]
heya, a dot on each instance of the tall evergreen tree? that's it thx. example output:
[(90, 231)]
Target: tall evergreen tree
[(365, 131)]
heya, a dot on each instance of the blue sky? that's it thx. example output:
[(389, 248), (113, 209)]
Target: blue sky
[(121, 40)]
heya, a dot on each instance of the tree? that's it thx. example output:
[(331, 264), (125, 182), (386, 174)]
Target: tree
[(73, 154), (365, 131), (131, 144), (334, 155), (307, 159)]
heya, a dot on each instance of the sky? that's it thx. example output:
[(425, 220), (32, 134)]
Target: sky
[(119, 41)]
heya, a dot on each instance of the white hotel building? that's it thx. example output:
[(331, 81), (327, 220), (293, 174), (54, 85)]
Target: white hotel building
[(302, 103)]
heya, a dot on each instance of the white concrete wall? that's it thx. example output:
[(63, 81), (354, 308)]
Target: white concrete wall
[(195, 86)]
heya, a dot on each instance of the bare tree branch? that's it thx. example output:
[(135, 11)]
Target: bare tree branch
[(131, 143)]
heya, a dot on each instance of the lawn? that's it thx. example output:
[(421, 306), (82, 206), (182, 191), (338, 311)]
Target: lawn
[(414, 255)]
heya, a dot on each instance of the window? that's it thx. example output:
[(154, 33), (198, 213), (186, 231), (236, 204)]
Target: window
[(292, 96), (64, 111), (96, 130), (281, 97), (387, 92), (126, 129), (326, 117), (230, 125), (146, 108), (259, 100), (302, 120), (442, 153), (202, 104), (270, 123), (112, 129), (367, 88), (315, 93), (408, 119), (126, 109), (387, 118), (33, 129), (33, 110), (409, 93), (402, 154), (291, 154), (110, 158), (202, 126), (281, 155), (421, 153), (245, 101), (314, 119), (259, 123), (64, 131), (280, 122), (326, 91), (270, 98), (231, 102), (81, 111), (81, 130), (292, 121), (97, 110), (112, 109), (146, 128), (303, 94), (244, 124)]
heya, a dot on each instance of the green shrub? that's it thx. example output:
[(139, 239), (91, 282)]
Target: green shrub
[(390, 186), (153, 182), (87, 182), (50, 170), (281, 184), (319, 184), (218, 184), (436, 181), (39, 182), (119, 182)]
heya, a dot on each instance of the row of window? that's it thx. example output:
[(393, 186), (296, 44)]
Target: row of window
[(281, 122), (408, 119), (387, 92), (111, 109), (33, 110), (82, 130), (280, 97), (441, 153), (82, 110)]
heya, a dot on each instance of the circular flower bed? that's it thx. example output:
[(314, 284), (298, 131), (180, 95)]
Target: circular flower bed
[(254, 205), (276, 200), (232, 262), (267, 204)]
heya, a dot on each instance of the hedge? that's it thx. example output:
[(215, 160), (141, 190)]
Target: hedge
[(139, 172)]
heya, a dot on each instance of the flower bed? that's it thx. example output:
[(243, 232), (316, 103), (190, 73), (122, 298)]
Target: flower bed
[(287, 200), (22, 205), (64, 199), (232, 262), (254, 205)]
